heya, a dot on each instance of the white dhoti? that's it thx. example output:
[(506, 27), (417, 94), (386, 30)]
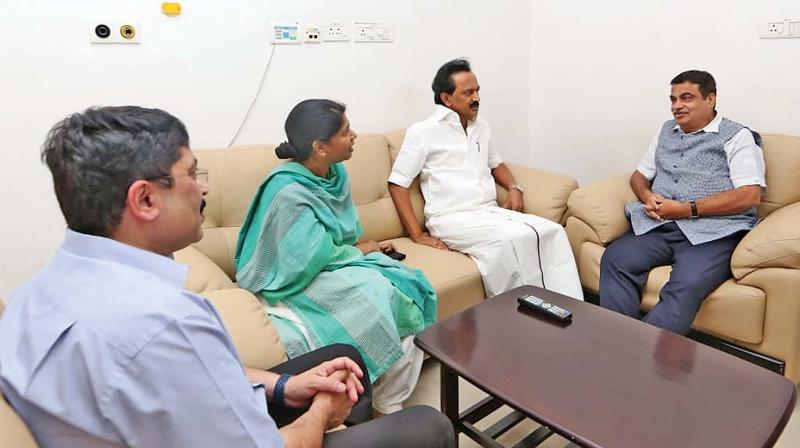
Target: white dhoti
[(394, 386), (511, 249)]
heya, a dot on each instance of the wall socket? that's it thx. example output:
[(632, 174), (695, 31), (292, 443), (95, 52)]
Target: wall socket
[(781, 29), (372, 32), (312, 33), (335, 32), (102, 31)]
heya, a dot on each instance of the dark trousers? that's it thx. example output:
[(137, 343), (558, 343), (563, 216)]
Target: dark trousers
[(696, 272), (362, 410), (418, 426)]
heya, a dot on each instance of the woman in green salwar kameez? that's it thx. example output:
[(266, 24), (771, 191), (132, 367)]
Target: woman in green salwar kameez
[(298, 252)]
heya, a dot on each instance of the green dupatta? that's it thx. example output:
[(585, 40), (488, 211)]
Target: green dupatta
[(296, 247)]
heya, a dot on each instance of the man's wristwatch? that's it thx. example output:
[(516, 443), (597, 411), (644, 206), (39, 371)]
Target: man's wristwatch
[(694, 214), (517, 187)]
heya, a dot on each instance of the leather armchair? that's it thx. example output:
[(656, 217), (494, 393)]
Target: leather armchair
[(758, 309)]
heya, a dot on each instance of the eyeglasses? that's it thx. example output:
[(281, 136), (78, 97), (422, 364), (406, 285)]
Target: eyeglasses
[(199, 175)]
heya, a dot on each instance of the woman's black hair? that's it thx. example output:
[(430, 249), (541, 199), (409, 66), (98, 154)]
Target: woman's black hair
[(309, 121)]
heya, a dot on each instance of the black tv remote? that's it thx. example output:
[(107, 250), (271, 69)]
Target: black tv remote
[(545, 308)]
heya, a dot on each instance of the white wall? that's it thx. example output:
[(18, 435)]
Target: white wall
[(585, 83), (600, 74), (204, 66)]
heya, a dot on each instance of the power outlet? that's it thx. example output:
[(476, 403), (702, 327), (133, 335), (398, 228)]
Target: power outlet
[(128, 32), (102, 31), (285, 33), (312, 33), (780, 29), (335, 32), (372, 32)]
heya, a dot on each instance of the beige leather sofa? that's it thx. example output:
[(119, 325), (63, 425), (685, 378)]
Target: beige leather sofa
[(759, 308), (235, 174)]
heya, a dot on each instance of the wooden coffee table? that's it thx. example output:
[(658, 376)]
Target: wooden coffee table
[(604, 380)]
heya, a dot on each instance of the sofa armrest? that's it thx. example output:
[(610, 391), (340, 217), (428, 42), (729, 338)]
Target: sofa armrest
[(773, 243), (204, 274), (601, 206), (545, 194), (251, 330)]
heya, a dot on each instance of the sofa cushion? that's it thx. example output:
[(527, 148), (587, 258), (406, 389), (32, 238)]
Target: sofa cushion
[(234, 175), (732, 311), (251, 330), (453, 275), (13, 432), (546, 193), (773, 243), (219, 244), (204, 275), (368, 170), (602, 206), (782, 158)]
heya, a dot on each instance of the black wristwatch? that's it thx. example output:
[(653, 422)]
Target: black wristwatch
[(694, 214)]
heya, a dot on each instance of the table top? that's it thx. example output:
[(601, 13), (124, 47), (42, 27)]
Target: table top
[(609, 380)]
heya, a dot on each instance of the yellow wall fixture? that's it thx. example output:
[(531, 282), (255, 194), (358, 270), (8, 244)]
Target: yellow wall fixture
[(171, 8)]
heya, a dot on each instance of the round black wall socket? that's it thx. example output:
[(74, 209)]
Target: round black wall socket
[(102, 31)]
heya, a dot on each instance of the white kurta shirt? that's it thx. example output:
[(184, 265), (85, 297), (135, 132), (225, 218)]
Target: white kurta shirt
[(454, 167)]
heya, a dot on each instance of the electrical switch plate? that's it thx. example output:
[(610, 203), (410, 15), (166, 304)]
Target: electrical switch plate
[(372, 32), (781, 29), (105, 31), (284, 33), (335, 32), (793, 29), (312, 33)]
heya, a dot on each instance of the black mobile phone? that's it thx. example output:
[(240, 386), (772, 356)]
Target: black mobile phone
[(399, 256)]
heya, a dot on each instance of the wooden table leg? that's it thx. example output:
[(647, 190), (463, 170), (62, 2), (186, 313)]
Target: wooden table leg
[(449, 397)]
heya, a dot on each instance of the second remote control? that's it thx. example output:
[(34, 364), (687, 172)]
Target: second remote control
[(548, 309)]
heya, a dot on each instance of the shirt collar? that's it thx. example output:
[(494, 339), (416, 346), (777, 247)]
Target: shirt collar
[(713, 126), (111, 250), (444, 113)]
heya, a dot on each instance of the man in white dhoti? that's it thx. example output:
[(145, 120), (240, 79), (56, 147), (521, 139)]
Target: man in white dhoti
[(458, 166)]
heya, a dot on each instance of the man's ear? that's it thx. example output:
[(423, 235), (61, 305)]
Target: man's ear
[(143, 201), (713, 98), (445, 97)]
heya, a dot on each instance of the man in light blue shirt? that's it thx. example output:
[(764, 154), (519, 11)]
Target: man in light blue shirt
[(105, 348)]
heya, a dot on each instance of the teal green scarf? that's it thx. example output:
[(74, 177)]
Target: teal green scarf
[(296, 247)]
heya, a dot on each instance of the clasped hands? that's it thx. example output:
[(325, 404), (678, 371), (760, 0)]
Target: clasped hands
[(331, 388), (338, 376), (660, 208)]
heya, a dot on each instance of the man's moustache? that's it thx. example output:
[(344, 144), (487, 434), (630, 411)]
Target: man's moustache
[(474, 104)]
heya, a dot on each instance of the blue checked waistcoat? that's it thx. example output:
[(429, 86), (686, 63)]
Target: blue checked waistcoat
[(689, 167)]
